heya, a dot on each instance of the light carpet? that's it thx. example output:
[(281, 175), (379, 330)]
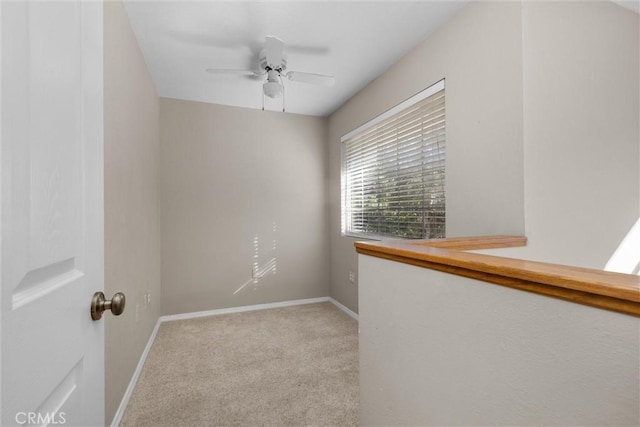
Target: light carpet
[(292, 366)]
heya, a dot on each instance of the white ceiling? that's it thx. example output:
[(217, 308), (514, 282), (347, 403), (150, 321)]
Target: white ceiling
[(353, 41)]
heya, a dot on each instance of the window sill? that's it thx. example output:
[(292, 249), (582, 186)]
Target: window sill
[(596, 288)]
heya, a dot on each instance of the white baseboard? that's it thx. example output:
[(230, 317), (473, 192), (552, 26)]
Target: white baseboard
[(136, 374), (242, 309), (117, 418), (344, 308)]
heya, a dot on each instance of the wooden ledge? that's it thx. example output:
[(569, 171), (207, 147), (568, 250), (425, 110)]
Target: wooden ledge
[(596, 288)]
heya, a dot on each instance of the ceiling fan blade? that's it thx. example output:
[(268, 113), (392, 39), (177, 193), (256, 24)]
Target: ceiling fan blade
[(234, 72), (274, 50), (307, 50), (315, 79)]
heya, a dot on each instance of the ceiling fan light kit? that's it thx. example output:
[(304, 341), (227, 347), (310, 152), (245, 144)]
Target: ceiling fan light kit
[(272, 87), (273, 64)]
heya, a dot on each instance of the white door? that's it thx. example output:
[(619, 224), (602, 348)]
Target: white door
[(51, 213)]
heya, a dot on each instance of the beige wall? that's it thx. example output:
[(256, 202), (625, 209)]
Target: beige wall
[(438, 349), (132, 210), (479, 52), (581, 129), (231, 175)]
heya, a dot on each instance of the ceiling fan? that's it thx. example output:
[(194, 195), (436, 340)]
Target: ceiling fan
[(273, 65)]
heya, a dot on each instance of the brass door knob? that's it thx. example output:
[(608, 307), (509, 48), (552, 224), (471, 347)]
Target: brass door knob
[(99, 304)]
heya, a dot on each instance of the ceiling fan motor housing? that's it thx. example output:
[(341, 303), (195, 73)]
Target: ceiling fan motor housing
[(264, 64)]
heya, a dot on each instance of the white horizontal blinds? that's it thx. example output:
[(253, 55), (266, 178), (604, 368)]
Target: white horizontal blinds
[(394, 174)]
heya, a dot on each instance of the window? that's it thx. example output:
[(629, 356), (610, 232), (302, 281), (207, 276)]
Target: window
[(393, 171)]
